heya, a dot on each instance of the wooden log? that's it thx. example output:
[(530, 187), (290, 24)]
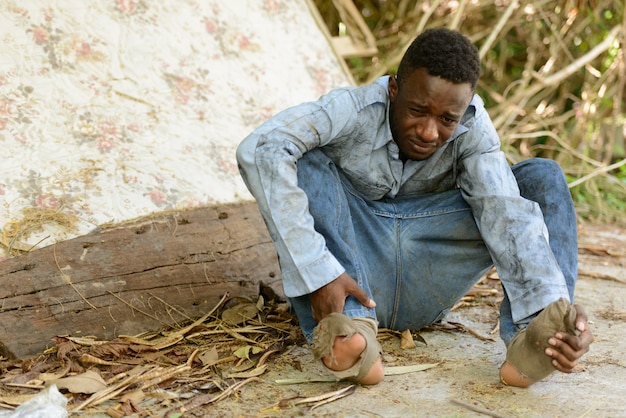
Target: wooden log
[(141, 276)]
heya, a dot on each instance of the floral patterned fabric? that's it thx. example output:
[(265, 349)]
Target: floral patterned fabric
[(116, 109)]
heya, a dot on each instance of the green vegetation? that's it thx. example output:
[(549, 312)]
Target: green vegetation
[(554, 79)]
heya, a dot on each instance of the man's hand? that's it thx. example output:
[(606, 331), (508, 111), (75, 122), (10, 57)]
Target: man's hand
[(332, 297), (565, 349)]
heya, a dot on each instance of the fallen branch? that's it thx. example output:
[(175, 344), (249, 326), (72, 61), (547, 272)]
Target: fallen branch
[(398, 370), (460, 327), (319, 399), (477, 409), (389, 371), (603, 276), (597, 172), (334, 398)]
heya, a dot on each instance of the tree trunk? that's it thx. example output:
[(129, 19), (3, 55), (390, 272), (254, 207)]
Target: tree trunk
[(140, 276)]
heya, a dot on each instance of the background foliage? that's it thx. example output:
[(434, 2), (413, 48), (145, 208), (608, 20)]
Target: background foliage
[(554, 79)]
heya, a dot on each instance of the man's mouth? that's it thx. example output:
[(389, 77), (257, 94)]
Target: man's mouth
[(421, 146)]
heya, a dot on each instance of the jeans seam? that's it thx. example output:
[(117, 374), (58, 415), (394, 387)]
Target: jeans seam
[(419, 215), (398, 278)]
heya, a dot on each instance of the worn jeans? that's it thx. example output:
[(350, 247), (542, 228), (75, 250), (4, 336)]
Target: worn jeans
[(417, 255)]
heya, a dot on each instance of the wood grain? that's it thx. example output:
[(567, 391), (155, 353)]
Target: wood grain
[(141, 276)]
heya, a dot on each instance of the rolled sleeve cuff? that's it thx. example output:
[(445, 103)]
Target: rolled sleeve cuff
[(308, 279), (527, 305)]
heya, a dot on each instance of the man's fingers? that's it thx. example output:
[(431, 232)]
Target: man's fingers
[(560, 360), (577, 345), (565, 350), (332, 297), (562, 351), (581, 319), (362, 296), (564, 368)]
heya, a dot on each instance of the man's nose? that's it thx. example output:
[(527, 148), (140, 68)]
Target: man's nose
[(428, 130)]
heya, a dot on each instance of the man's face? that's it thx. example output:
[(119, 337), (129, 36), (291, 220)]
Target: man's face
[(424, 112)]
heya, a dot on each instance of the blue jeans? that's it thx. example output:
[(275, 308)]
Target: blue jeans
[(417, 255)]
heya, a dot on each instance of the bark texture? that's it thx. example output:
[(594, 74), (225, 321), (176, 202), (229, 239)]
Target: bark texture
[(140, 276)]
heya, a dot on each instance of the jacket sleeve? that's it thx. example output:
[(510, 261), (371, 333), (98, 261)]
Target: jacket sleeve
[(511, 226), (267, 162)]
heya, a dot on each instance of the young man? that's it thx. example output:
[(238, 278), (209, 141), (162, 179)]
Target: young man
[(398, 192)]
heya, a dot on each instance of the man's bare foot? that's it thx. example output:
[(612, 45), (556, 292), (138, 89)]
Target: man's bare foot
[(554, 340), (348, 348), (347, 352), (510, 376)]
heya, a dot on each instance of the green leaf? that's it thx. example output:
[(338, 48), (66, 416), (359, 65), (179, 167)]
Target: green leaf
[(244, 352)]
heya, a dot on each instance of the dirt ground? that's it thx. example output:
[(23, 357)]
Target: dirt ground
[(461, 357), (464, 383)]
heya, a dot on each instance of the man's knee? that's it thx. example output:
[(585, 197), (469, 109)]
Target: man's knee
[(538, 168), (539, 175), (313, 160)]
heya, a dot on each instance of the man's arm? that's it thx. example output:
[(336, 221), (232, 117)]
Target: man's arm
[(512, 227), (516, 235), (267, 161)]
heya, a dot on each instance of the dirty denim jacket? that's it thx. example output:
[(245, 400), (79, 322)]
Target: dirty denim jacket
[(351, 126)]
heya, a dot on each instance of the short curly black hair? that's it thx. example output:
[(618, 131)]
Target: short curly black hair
[(443, 53)]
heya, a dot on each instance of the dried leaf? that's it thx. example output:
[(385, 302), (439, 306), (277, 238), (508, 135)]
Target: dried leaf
[(24, 378), (16, 400), (162, 343), (127, 408), (306, 378), (209, 357), (88, 382), (111, 350), (115, 412), (319, 399), (88, 341), (156, 344), (87, 359), (64, 347), (74, 367), (260, 303), (46, 377), (240, 313), (406, 340), (238, 336), (163, 375), (120, 381), (243, 366), (136, 340), (251, 373), (420, 339), (135, 396), (396, 370)]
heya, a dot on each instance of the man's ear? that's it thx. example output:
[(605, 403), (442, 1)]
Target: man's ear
[(392, 87)]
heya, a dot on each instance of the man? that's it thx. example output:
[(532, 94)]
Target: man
[(398, 192)]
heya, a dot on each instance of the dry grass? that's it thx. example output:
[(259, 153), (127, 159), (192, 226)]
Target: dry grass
[(33, 220), (553, 80)]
